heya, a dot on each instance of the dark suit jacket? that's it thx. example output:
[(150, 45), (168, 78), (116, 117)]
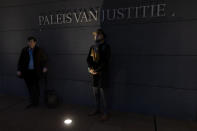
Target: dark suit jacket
[(40, 60), (104, 53)]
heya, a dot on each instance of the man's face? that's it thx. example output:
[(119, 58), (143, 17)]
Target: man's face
[(31, 43), (98, 36)]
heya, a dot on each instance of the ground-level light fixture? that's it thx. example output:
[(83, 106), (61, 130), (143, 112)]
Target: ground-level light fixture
[(68, 122)]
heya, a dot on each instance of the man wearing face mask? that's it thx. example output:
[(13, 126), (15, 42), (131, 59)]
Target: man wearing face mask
[(98, 59), (32, 64)]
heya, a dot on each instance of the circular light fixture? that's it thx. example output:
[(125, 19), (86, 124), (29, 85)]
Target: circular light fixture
[(68, 121)]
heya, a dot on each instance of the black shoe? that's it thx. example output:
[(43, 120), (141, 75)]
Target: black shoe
[(93, 113), (32, 105), (29, 106), (104, 117)]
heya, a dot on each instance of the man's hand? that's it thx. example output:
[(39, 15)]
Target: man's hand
[(92, 72), (44, 70), (18, 73)]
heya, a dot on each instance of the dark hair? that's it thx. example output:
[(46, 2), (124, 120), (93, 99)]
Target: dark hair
[(32, 38)]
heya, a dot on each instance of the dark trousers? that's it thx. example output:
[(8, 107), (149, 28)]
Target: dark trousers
[(99, 90), (32, 82), (101, 103)]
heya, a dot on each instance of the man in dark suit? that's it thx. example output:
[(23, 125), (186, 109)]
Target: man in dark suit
[(98, 59), (32, 64)]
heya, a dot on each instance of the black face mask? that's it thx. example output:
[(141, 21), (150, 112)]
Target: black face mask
[(98, 41)]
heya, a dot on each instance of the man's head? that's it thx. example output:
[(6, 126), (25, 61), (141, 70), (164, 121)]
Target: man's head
[(31, 42), (99, 35)]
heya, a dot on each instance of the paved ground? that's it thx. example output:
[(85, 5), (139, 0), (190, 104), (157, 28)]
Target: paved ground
[(14, 117)]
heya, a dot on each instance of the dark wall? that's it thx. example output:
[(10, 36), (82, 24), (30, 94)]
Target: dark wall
[(153, 64)]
